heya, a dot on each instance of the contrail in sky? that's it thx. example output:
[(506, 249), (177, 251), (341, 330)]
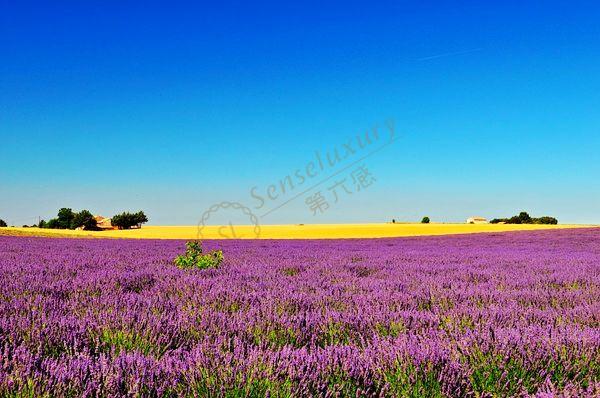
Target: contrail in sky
[(449, 54)]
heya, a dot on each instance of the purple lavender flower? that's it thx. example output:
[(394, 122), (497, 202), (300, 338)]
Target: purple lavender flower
[(513, 314)]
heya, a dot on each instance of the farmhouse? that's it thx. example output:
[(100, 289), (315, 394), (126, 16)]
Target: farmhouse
[(103, 222), (476, 220)]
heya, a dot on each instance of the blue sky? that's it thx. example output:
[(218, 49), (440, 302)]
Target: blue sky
[(174, 107)]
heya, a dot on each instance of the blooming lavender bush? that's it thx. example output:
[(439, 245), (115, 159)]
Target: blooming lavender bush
[(477, 315)]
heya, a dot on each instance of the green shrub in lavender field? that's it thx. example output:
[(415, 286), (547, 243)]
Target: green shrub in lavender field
[(195, 258)]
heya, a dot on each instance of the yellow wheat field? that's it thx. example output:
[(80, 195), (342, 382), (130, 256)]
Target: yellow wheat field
[(309, 231)]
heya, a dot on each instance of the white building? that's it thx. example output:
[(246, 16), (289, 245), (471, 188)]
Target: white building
[(476, 220)]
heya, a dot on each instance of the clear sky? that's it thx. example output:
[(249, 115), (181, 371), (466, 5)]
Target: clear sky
[(174, 107)]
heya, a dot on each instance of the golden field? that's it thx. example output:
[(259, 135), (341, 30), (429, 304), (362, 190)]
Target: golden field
[(308, 231)]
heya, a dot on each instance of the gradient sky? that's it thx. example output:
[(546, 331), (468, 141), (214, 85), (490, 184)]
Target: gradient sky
[(174, 107)]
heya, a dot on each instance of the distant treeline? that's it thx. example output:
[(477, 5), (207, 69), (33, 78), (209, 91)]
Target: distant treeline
[(524, 218), (68, 219)]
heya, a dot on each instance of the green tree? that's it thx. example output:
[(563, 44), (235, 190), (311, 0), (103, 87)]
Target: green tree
[(123, 221), (42, 224), (514, 220), (524, 218), (3, 224), (52, 223), (545, 220), (84, 219), (127, 220), (140, 218), (425, 220), (65, 218)]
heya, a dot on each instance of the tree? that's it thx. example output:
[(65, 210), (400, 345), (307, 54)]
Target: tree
[(140, 218), (65, 218), (42, 224), (425, 220), (3, 224), (127, 220), (545, 220), (514, 220), (53, 223), (524, 218), (84, 219)]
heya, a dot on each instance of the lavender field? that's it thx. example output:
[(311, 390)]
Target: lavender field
[(512, 314)]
